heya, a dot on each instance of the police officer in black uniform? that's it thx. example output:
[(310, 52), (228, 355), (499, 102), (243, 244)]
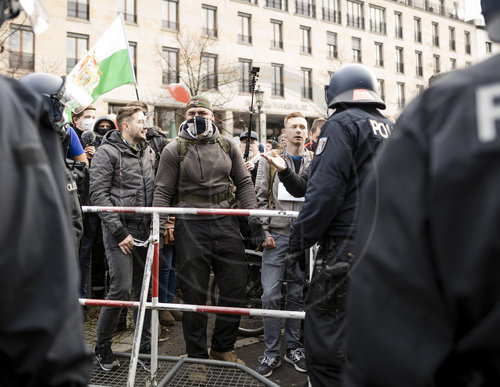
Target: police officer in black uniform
[(41, 333), (343, 156), (424, 305)]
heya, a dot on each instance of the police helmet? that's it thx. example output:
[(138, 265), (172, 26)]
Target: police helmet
[(9, 9), (353, 84), (51, 87), (491, 13)]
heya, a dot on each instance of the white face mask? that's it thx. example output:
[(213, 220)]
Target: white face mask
[(87, 124)]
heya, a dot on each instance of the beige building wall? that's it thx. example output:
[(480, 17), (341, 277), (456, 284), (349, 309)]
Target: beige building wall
[(50, 50)]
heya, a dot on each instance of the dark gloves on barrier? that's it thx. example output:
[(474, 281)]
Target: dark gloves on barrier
[(257, 234), (292, 259)]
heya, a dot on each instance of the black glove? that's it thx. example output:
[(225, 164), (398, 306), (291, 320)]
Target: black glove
[(257, 234), (292, 258)]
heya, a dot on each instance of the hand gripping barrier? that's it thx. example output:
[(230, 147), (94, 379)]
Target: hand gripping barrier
[(152, 268)]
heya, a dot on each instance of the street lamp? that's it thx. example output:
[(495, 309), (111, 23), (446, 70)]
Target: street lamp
[(259, 101)]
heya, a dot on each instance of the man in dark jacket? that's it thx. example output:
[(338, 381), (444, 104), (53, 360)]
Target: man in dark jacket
[(343, 155), (122, 175), (424, 306), (201, 169)]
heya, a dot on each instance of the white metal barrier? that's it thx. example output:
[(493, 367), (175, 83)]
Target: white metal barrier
[(151, 269)]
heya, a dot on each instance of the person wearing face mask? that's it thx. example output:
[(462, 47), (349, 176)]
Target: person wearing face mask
[(84, 122), (102, 126), (201, 168)]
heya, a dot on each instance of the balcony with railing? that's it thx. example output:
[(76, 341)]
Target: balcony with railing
[(305, 49), (277, 44), (356, 21), (170, 76), (418, 37), (170, 24), (429, 6), (21, 61), (130, 17), (332, 51), (377, 27), (331, 15), (305, 8), (78, 9), (306, 92), (209, 32), (277, 89), (277, 4), (245, 38)]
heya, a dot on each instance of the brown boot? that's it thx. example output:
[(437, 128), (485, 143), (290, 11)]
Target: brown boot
[(226, 356), (197, 374), (166, 318), (177, 314)]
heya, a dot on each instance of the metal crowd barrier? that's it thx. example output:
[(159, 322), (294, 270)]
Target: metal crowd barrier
[(151, 269)]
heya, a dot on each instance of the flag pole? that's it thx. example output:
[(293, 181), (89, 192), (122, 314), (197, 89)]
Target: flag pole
[(129, 57)]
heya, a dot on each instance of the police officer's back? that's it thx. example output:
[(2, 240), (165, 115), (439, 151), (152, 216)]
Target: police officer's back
[(424, 307), (346, 146), (41, 333)]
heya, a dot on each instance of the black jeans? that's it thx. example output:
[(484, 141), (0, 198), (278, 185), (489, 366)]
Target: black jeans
[(324, 335), (202, 245)]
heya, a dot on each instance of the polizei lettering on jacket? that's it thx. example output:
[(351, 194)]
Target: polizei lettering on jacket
[(380, 128), (488, 111)]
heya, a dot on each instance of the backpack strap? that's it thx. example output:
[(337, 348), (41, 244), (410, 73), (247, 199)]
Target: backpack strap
[(229, 194)]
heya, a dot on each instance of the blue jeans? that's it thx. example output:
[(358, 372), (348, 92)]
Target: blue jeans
[(167, 274), (274, 270)]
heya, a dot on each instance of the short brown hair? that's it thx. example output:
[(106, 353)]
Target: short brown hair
[(78, 115), (292, 115), (124, 113), (317, 124), (140, 104)]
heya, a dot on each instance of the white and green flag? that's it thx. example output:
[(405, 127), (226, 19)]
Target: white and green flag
[(107, 65)]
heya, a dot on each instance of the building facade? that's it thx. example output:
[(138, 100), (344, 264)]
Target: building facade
[(211, 45)]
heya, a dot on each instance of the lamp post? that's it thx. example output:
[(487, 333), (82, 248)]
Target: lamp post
[(259, 101)]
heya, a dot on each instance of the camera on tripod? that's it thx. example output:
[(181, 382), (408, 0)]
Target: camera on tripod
[(255, 71)]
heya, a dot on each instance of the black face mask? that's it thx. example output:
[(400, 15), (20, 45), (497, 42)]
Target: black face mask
[(102, 132), (199, 123)]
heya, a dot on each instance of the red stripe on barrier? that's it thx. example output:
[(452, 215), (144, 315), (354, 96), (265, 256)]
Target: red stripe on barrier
[(113, 303), (223, 310), (156, 267)]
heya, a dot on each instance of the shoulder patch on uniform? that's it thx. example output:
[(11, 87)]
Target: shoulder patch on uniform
[(321, 145)]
